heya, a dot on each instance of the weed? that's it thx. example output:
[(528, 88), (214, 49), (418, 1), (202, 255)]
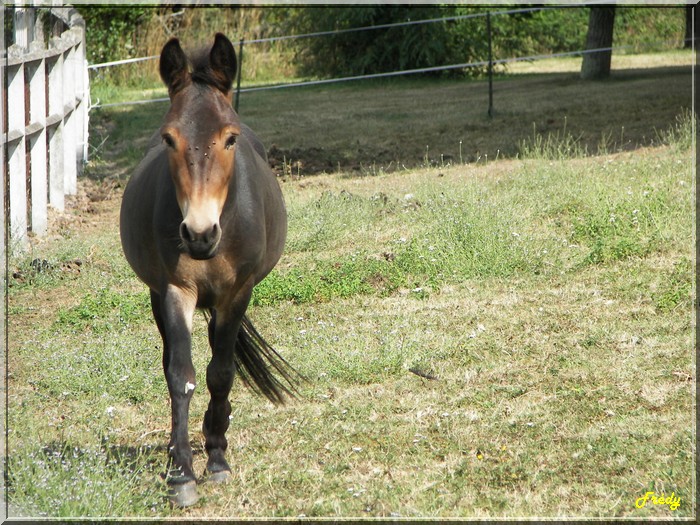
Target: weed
[(105, 310), (676, 288), (681, 134), (559, 145)]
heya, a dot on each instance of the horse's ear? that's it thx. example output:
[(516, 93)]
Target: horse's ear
[(173, 66), (222, 59)]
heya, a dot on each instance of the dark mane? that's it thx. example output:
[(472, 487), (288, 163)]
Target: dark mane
[(203, 73)]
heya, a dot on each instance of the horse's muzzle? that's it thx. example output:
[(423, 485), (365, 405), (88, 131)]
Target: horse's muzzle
[(201, 245)]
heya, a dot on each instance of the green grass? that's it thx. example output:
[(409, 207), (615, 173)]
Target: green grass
[(500, 339), (466, 233), (105, 310)]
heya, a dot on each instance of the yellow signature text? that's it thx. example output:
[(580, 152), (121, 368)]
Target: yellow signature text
[(672, 501)]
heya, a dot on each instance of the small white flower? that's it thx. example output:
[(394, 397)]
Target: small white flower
[(357, 449), (110, 411)]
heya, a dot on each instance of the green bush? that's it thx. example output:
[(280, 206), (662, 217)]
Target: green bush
[(111, 31)]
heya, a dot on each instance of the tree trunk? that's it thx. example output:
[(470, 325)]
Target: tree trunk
[(600, 35)]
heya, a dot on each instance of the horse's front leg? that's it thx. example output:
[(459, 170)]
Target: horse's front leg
[(223, 333), (173, 311)]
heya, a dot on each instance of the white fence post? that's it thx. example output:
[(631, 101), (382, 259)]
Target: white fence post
[(16, 150), (69, 139), (3, 327), (36, 74), (82, 92), (56, 130)]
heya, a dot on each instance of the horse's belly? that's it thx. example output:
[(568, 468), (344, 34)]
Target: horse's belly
[(137, 232)]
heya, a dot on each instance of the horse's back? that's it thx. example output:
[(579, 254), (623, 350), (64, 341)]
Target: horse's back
[(254, 141)]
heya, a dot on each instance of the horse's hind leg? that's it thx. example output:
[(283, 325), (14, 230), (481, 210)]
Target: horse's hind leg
[(223, 332), (173, 314)]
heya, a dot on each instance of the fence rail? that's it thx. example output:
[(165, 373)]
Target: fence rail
[(46, 126)]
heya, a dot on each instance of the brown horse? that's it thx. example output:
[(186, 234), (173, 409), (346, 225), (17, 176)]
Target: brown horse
[(202, 222)]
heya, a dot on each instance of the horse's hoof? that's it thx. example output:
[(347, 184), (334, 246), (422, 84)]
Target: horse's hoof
[(221, 476), (183, 494)]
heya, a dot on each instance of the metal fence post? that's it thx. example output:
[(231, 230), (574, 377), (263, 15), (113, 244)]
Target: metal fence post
[(240, 73), (488, 30)]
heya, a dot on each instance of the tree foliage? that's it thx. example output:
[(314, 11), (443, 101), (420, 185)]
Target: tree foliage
[(380, 50)]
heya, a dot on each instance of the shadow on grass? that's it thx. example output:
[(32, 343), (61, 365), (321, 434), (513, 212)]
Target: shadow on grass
[(62, 479), (387, 125)]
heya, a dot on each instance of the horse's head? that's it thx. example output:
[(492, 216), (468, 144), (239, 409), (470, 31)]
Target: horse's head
[(200, 132)]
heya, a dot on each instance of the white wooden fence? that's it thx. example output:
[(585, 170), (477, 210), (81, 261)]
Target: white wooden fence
[(45, 129)]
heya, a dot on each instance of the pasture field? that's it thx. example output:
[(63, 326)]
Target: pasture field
[(393, 124), (509, 337)]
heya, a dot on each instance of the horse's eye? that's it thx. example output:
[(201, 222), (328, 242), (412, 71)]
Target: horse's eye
[(230, 142), (169, 140)]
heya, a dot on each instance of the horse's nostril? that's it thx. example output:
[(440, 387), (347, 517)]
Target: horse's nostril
[(185, 233), (200, 242), (214, 232)]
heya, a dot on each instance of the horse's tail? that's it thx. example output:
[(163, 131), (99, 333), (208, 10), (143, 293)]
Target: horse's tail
[(255, 359)]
